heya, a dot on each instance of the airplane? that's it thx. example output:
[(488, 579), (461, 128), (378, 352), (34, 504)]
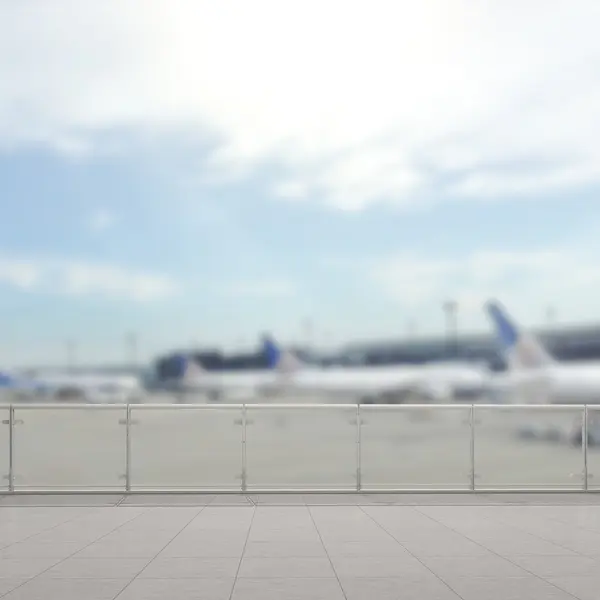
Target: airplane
[(96, 389), (192, 378), (534, 376), (289, 376), (11, 386), (389, 384)]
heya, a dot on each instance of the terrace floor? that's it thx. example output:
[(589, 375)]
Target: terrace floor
[(300, 547)]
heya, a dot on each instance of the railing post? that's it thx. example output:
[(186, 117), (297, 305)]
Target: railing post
[(11, 451), (128, 449), (472, 446), (584, 446), (244, 423), (358, 449)]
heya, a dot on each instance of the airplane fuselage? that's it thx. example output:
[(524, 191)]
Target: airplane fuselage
[(97, 389), (385, 381), (373, 382), (575, 383)]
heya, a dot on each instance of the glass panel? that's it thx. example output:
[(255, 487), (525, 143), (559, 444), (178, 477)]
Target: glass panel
[(528, 447), (70, 448), (186, 447), (415, 447), (593, 451), (4, 447), (6, 396), (301, 447)]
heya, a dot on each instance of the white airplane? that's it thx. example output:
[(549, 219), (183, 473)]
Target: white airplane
[(441, 382), (93, 388), (288, 376), (192, 378), (533, 375)]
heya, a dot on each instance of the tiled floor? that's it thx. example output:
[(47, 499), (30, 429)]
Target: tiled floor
[(195, 547)]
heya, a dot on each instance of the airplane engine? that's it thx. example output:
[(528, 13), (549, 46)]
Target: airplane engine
[(531, 388), (436, 393), (70, 394)]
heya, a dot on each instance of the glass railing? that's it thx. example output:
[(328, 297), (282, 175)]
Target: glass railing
[(5, 445), (592, 454), (265, 447), (186, 447), (532, 447), (58, 447), (301, 447), (416, 448)]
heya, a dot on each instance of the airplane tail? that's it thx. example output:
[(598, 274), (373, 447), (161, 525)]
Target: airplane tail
[(278, 359), (20, 383), (187, 368), (520, 349), (7, 380)]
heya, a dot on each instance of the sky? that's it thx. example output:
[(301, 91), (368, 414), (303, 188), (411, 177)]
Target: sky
[(196, 173)]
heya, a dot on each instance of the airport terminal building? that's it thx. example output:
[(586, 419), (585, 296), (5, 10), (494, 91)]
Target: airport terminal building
[(568, 343), (580, 342)]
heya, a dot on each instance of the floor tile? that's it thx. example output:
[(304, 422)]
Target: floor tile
[(558, 566), (6, 585), (283, 549), (178, 589), (191, 568), (378, 566), (583, 588), (383, 588), (30, 549), (285, 568), (288, 589), (480, 566), (68, 589), (493, 588), (97, 568), (25, 568)]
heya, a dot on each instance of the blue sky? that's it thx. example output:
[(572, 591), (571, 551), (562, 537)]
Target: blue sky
[(147, 188)]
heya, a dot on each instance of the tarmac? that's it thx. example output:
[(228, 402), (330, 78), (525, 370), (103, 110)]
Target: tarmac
[(300, 547)]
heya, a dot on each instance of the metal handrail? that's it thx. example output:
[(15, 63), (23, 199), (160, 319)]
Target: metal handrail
[(244, 409)]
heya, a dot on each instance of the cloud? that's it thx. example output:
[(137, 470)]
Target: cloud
[(529, 282), (261, 288), (18, 273), (78, 278), (292, 190), (387, 101), (101, 220)]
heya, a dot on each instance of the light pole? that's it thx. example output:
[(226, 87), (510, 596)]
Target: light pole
[(308, 330), (132, 348), (411, 329), (71, 351), (451, 313)]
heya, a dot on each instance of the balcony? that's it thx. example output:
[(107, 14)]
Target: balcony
[(65, 448)]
